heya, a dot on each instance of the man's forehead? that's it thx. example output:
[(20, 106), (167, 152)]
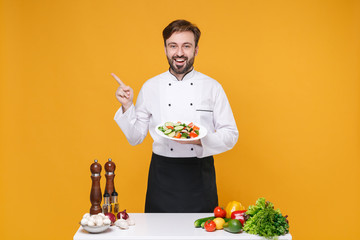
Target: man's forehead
[(181, 38)]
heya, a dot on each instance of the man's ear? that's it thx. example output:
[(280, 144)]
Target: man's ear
[(196, 50)]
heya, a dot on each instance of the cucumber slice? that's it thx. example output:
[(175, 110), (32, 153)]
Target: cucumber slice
[(169, 124), (178, 128), (168, 131), (177, 124), (172, 134)]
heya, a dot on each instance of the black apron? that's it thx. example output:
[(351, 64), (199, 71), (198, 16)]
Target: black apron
[(181, 185)]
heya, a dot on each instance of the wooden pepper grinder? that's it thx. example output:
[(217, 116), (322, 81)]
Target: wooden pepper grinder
[(110, 175), (95, 194)]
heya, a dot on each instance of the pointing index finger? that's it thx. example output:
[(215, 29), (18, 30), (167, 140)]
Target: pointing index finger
[(117, 79)]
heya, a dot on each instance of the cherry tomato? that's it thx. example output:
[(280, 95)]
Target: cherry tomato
[(219, 212), (195, 128), (193, 134), (210, 226)]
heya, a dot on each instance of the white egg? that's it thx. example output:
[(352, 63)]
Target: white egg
[(101, 215), (84, 221), (86, 215)]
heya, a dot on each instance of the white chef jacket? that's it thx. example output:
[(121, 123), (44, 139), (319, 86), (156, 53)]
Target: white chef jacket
[(196, 98)]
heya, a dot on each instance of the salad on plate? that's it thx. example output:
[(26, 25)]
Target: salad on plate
[(179, 130)]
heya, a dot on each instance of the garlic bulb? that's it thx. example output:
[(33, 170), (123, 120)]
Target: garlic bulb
[(122, 223), (130, 221)]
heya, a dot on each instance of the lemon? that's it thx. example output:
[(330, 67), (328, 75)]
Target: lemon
[(219, 223)]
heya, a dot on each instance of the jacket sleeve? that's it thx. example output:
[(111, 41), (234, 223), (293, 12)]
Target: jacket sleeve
[(226, 133), (135, 121)]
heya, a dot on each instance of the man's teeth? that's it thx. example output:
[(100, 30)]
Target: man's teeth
[(180, 60)]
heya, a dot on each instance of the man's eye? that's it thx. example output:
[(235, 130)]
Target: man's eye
[(172, 46), (187, 46)]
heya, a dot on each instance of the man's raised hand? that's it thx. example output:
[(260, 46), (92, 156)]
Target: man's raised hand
[(124, 93)]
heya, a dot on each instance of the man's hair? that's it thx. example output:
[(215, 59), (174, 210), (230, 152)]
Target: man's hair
[(181, 26)]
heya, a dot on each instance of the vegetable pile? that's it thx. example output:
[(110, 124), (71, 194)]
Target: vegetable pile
[(180, 130), (265, 221), (261, 219)]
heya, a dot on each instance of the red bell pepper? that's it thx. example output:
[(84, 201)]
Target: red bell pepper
[(239, 215)]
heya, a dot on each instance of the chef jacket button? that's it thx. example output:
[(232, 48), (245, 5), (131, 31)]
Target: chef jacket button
[(192, 149), (169, 105), (169, 84), (190, 104), (191, 84), (171, 149)]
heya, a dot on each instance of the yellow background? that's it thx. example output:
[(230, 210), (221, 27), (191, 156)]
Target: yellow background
[(290, 70)]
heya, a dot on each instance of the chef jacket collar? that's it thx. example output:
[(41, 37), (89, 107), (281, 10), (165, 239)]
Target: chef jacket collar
[(187, 75)]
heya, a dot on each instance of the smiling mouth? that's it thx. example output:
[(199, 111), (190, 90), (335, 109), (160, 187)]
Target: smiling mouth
[(179, 61)]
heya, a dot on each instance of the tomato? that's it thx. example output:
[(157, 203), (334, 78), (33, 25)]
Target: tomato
[(193, 134), (170, 127), (210, 226), (191, 124), (195, 128), (219, 212), (178, 135)]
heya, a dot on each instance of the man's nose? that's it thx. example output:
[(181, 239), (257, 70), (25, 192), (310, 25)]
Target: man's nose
[(180, 52)]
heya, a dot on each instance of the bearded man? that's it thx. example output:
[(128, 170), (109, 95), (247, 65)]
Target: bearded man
[(182, 174)]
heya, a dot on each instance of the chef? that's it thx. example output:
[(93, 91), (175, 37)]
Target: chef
[(182, 174)]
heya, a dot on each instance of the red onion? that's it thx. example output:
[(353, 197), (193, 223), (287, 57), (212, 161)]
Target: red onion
[(122, 215), (111, 217)]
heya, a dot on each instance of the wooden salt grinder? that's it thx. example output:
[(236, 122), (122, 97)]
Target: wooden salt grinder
[(110, 175), (95, 194)]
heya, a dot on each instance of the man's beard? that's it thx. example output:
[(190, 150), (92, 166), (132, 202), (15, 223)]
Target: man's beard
[(183, 69)]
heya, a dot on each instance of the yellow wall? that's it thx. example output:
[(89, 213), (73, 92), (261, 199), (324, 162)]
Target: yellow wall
[(290, 70)]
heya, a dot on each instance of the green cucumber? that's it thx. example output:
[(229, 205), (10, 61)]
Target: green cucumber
[(178, 128), (199, 221), (169, 124), (172, 134), (168, 131)]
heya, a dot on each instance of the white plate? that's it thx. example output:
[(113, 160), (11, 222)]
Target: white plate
[(202, 132), (95, 229)]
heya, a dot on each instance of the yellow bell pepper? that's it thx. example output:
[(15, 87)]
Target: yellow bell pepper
[(233, 206)]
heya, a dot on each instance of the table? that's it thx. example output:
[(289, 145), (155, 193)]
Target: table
[(165, 226)]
